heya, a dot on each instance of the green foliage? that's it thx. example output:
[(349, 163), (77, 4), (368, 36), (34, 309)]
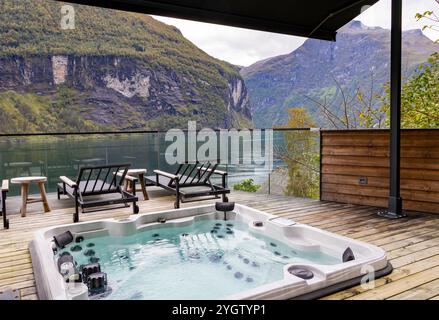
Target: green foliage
[(420, 93), (301, 154), (30, 113), (419, 97), (33, 28), (247, 185), (432, 19)]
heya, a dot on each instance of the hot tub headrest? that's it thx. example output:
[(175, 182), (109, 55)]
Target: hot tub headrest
[(225, 206), (348, 255), (63, 239)]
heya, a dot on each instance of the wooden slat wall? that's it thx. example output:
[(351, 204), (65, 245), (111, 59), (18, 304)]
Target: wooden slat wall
[(351, 154)]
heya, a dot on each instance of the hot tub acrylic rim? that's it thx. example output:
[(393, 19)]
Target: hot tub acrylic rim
[(207, 208), (375, 257)]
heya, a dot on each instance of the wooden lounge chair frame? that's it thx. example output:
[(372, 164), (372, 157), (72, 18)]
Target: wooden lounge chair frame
[(4, 190), (190, 175), (96, 181)]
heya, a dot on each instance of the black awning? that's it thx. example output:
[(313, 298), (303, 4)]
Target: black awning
[(308, 18)]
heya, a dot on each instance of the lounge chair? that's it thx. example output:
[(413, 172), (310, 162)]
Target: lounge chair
[(4, 190), (191, 182), (99, 181)]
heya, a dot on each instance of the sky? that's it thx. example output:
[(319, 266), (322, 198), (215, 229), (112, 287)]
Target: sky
[(244, 47)]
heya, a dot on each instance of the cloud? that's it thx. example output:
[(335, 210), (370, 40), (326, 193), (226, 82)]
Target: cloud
[(235, 45), (379, 14), (244, 47)]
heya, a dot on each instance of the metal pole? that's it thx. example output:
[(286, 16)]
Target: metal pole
[(395, 201), (269, 183)]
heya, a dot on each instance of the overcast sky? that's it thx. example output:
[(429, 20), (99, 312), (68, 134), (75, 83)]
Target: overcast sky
[(244, 47)]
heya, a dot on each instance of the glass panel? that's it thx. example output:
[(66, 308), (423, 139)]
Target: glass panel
[(295, 169), (296, 165)]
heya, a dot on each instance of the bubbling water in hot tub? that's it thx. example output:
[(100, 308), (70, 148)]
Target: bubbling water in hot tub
[(208, 259)]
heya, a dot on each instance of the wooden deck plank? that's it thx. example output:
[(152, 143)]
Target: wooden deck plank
[(30, 297), (397, 274), (412, 243), (401, 285), (416, 256), (423, 292)]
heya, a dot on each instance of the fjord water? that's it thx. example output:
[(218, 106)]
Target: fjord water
[(209, 259), (57, 156)]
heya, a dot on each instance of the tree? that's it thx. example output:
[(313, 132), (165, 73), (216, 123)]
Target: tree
[(432, 19), (300, 152), (420, 93), (419, 97), (371, 108), (359, 107)]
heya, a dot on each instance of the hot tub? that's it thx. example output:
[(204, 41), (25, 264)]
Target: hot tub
[(200, 253)]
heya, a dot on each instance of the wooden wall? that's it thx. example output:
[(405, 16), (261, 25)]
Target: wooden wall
[(351, 155)]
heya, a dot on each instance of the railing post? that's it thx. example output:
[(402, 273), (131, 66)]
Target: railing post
[(269, 183), (157, 146), (320, 164)]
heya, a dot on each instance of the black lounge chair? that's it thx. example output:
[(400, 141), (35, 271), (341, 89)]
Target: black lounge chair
[(4, 190), (191, 182), (98, 181)]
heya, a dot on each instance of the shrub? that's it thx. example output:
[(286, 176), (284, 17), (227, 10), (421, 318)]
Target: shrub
[(247, 185)]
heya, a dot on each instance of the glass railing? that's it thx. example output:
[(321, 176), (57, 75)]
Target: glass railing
[(296, 166), (294, 170)]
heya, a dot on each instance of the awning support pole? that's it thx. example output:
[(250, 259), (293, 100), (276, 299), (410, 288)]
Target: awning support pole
[(395, 202)]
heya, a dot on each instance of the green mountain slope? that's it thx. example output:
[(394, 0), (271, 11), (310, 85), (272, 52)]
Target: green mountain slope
[(360, 54), (114, 63)]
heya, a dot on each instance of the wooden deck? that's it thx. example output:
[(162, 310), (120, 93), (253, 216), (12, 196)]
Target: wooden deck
[(412, 243)]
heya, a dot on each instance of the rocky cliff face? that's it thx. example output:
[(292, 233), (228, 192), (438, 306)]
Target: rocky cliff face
[(149, 78), (121, 92)]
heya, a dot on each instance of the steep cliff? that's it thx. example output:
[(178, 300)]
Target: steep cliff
[(115, 70)]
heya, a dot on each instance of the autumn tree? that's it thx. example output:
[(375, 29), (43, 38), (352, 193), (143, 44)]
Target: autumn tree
[(356, 108), (420, 93), (300, 151)]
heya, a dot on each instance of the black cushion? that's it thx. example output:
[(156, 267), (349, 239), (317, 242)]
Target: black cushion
[(225, 206)]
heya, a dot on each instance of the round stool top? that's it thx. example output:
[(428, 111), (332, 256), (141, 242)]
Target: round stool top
[(22, 180), (134, 172)]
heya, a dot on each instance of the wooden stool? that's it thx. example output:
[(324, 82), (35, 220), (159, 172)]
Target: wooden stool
[(25, 182), (140, 174)]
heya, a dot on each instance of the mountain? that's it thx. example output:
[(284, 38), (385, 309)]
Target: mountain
[(312, 70), (114, 70)]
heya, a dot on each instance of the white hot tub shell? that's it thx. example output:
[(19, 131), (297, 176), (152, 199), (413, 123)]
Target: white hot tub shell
[(370, 261)]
